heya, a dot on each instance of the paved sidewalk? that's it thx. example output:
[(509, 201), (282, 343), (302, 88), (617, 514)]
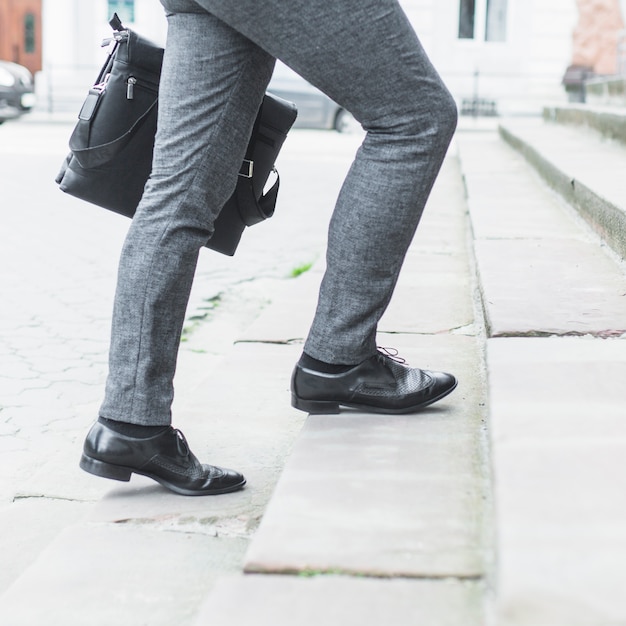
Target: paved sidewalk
[(59, 258), (502, 504), (408, 479)]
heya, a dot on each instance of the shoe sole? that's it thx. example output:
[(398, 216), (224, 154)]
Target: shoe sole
[(332, 407), (122, 473)]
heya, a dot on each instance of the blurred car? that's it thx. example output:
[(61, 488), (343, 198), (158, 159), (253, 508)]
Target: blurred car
[(315, 109), (16, 90)]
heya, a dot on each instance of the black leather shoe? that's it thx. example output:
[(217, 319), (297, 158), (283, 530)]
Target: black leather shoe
[(379, 384), (166, 458)]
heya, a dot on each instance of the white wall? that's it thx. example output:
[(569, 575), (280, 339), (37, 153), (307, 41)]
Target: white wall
[(521, 74), (150, 20), (72, 55)]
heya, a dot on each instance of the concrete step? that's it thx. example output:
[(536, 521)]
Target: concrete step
[(232, 402), (125, 552), (542, 272), (397, 496), (378, 518), (141, 554), (124, 573), (386, 496), (557, 403), (342, 601), (557, 408), (609, 122), (584, 167)]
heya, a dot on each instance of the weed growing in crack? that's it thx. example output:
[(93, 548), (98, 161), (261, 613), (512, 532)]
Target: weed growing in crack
[(204, 313), (300, 269)]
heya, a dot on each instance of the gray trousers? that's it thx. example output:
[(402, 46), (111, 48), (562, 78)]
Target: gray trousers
[(219, 58)]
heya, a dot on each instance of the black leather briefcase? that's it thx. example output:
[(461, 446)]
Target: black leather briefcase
[(112, 143)]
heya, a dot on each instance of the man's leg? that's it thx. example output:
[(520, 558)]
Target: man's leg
[(212, 84), (365, 55)]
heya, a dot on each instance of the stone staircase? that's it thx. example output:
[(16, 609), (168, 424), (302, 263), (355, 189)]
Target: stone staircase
[(548, 241), (502, 505)]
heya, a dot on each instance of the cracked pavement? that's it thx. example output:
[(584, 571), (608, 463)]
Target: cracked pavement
[(59, 259)]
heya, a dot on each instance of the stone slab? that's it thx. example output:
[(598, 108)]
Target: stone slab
[(237, 415), (584, 168), (233, 416), (289, 314), (434, 293), (609, 121), (504, 198), (434, 289), (580, 155), (57, 475), (578, 392), (27, 526), (338, 601), (541, 271), (386, 495), (541, 287), (121, 574), (559, 479)]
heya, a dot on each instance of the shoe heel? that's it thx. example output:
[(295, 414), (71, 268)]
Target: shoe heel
[(105, 470), (315, 407)]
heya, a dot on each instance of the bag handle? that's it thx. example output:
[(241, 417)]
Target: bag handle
[(116, 23)]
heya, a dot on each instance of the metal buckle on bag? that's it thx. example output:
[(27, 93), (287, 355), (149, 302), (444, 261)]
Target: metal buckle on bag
[(121, 35), (101, 87), (246, 169)]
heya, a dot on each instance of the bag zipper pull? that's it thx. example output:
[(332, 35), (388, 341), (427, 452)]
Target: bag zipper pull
[(130, 87)]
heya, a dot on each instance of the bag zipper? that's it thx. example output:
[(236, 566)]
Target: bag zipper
[(130, 87), (132, 82)]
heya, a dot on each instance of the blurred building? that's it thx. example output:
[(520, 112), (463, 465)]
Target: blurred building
[(505, 56), (72, 33), (20, 32)]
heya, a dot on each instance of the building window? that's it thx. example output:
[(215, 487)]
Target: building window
[(495, 21), (483, 20), (467, 15), (30, 42), (124, 8)]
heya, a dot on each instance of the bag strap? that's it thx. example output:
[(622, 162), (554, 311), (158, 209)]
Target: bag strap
[(253, 210)]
